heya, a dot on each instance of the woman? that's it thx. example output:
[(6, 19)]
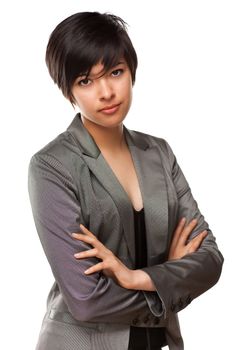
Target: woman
[(124, 237)]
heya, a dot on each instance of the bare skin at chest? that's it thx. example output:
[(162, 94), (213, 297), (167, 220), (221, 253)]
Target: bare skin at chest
[(122, 165)]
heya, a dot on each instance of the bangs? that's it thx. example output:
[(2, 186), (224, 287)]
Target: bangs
[(80, 61)]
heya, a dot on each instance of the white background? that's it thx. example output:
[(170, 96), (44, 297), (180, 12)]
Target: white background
[(184, 93)]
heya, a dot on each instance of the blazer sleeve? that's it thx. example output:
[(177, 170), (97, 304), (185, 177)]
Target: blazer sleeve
[(57, 213), (179, 281)]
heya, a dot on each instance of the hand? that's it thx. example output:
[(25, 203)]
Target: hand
[(110, 264), (179, 247)]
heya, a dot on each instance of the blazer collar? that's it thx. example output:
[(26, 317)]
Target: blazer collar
[(87, 143)]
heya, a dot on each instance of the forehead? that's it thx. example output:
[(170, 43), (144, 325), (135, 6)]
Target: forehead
[(96, 70)]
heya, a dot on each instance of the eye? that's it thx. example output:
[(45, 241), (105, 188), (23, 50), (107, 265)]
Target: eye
[(84, 82), (117, 72)]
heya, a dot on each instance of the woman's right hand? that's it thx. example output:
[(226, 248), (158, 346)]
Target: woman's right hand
[(179, 246)]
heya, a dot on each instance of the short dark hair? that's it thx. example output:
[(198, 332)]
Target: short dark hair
[(81, 41)]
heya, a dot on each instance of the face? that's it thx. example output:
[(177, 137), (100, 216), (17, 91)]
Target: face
[(104, 98)]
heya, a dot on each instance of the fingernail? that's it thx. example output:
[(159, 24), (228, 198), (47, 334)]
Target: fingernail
[(77, 255)]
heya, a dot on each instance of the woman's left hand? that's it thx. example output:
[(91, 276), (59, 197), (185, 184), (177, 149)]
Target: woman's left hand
[(110, 264)]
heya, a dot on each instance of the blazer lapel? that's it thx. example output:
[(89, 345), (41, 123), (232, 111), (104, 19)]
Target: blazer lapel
[(152, 181), (147, 162)]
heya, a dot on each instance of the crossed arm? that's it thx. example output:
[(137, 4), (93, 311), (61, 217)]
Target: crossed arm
[(191, 269), (136, 279)]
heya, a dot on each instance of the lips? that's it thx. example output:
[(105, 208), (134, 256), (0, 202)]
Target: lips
[(109, 108)]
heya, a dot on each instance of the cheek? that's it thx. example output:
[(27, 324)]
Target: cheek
[(128, 91), (82, 100)]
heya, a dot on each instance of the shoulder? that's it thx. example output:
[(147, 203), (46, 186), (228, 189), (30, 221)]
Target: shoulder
[(151, 141), (58, 154), (56, 146)]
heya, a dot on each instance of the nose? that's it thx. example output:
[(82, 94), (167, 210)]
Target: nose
[(106, 91)]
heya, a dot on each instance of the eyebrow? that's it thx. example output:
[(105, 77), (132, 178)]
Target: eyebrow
[(87, 75)]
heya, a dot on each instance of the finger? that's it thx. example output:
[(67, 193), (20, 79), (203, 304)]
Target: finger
[(87, 254), (178, 231), (85, 238), (187, 230), (100, 251), (176, 235), (85, 230), (92, 239), (195, 243), (95, 268)]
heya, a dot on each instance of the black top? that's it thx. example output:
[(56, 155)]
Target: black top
[(140, 337)]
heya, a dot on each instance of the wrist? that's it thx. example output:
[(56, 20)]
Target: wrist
[(133, 280), (141, 281)]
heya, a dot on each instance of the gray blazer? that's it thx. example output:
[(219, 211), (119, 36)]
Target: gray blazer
[(71, 183)]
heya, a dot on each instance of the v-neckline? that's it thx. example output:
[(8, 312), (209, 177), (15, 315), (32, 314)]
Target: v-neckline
[(137, 211), (121, 186)]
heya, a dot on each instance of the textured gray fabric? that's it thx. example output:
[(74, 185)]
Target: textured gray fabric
[(71, 183)]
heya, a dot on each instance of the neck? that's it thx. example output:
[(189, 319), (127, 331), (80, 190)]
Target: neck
[(107, 139)]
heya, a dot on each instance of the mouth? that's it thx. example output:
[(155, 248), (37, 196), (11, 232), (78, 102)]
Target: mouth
[(110, 109)]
